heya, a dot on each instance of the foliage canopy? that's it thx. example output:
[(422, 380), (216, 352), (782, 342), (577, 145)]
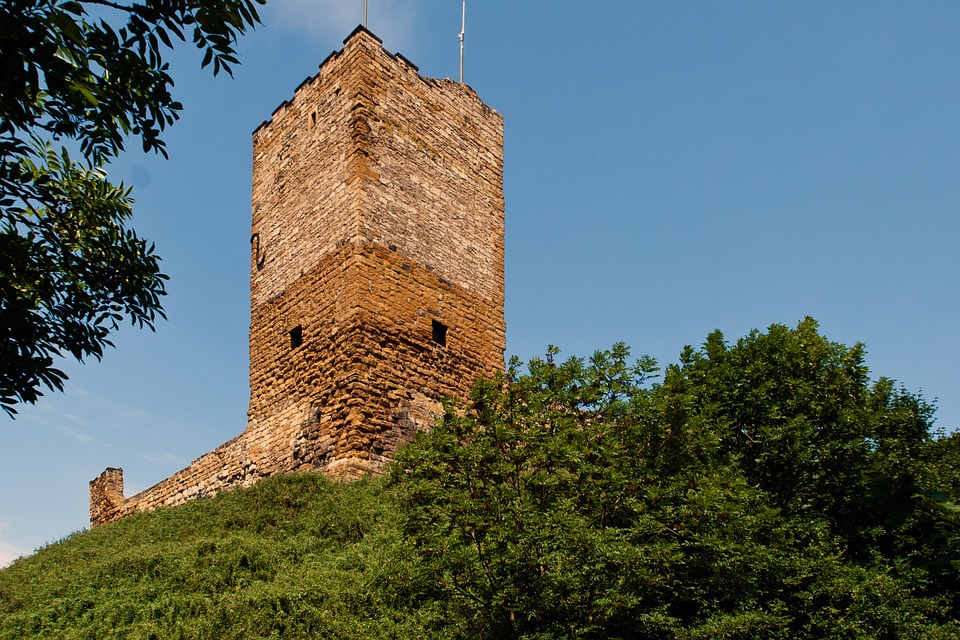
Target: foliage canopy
[(88, 74), (762, 489)]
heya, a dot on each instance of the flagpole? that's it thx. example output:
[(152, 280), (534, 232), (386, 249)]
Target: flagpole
[(463, 30), (364, 14)]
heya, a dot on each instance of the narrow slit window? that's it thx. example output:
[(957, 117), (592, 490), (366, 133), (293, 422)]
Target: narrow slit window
[(296, 337), (439, 333)]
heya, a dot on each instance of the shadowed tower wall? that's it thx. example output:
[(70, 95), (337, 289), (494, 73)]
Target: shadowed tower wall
[(376, 274)]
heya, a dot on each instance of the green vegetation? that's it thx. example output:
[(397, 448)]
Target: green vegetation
[(763, 489), (295, 556)]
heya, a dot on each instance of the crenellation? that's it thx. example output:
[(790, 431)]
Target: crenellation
[(377, 211)]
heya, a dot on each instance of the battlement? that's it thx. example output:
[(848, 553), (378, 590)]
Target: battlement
[(335, 54), (376, 274)]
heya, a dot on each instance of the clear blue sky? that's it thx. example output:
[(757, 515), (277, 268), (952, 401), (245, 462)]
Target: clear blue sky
[(671, 168)]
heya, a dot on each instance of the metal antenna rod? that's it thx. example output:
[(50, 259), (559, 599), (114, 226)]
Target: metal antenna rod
[(463, 31), (365, 14)]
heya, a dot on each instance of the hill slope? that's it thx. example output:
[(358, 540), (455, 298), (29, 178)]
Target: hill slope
[(291, 557)]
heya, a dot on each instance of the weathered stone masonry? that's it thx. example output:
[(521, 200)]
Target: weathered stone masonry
[(376, 278)]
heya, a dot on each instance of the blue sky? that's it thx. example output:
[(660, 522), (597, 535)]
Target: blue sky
[(671, 168)]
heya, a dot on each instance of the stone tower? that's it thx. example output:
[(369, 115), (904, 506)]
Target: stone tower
[(376, 279), (377, 264)]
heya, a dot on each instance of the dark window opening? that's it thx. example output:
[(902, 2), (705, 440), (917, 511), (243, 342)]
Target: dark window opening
[(296, 337), (439, 333)]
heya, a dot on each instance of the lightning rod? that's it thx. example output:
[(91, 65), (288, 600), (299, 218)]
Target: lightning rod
[(463, 31)]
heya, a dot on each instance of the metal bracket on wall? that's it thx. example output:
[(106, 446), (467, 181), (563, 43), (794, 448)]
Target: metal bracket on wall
[(260, 257)]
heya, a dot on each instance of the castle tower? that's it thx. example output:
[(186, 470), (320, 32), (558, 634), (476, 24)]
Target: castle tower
[(376, 274), (377, 261)]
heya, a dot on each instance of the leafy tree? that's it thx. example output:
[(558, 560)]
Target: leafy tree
[(805, 423), (762, 490), (90, 74)]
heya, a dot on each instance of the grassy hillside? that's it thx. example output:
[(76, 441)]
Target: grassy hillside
[(292, 557)]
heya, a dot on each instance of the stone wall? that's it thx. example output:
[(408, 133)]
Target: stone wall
[(376, 274)]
